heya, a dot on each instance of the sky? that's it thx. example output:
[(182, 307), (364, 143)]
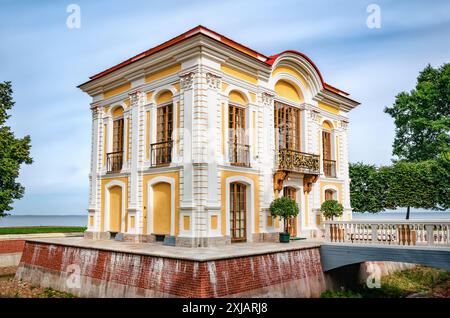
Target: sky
[(46, 60)]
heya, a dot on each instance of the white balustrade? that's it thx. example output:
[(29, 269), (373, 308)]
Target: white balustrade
[(412, 233)]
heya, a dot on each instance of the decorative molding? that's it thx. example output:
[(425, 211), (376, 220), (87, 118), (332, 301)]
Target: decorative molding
[(266, 99), (213, 81), (308, 181), (314, 115), (278, 179), (344, 124), (187, 80), (95, 112), (136, 97)]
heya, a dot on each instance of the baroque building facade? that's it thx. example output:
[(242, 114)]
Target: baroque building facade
[(194, 138)]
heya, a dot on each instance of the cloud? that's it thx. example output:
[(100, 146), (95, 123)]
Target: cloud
[(46, 60)]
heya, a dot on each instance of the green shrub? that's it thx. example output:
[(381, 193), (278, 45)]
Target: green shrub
[(331, 208), (284, 208)]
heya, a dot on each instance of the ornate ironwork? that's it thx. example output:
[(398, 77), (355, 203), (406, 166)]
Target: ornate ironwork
[(329, 168), (239, 154), (114, 161), (161, 153), (297, 161)]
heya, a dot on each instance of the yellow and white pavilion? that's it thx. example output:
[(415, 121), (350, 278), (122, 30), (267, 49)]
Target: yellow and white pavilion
[(193, 139)]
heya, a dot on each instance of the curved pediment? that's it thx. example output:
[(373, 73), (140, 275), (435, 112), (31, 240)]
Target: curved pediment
[(292, 64)]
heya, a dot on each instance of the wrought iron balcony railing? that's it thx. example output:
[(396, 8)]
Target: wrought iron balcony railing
[(161, 153), (297, 161), (114, 161), (329, 168), (239, 154)]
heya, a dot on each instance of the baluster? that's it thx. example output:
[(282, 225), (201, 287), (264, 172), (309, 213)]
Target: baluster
[(430, 234), (374, 233), (331, 232), (439, 234), (447, 238), (352, 233)]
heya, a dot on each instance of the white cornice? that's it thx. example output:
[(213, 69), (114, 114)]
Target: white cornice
[(196, 46)]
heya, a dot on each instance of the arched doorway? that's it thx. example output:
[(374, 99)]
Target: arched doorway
[(162, 207), (238, 212), (291, 193), (115, 209)]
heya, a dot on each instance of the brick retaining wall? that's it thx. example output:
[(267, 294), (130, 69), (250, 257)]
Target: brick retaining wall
[(11, 246), (296, 273)]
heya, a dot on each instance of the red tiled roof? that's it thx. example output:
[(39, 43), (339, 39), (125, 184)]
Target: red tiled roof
[(212, 34)]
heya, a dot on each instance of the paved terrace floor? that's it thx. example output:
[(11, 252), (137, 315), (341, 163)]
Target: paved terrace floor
[(200, 254)]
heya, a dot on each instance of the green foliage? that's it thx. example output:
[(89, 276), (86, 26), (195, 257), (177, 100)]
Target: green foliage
[(285, 208), (429, 282), (13, 152), (40, 229), (413, 184), (367, 188), (331, 208), (422, 117), (52, 293), (340, 294), (424, 184)]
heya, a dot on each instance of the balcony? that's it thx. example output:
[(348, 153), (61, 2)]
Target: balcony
[(114, 161), (161, 153), (329, 168), (290, 160), (239, 154)]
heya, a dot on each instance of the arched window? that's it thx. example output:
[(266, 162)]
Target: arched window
[(287, 126), (115, 158), (290, 192), (329, 164), (161, 151), (330, 194), (238, 149)]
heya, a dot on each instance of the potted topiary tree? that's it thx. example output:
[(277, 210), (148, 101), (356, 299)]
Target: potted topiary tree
[(331, 208), (284, 208)]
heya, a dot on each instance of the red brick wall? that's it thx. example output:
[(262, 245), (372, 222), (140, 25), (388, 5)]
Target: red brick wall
[(179, 277), (11, 246)]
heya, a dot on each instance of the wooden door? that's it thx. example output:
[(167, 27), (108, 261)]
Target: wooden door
[(238, 212), (291, 193), (115, 209), (162, 208)]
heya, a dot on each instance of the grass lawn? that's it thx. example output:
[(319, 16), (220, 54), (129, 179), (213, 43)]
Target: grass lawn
[(40, 229), (428, 282)]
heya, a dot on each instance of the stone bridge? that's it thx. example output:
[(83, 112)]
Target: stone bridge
[(418, 242)]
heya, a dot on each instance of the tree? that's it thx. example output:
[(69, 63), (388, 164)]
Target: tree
[(367, 188), (422, 117), (440, 170), (13, 152), (331, 208), (422, 184), (285, 208)]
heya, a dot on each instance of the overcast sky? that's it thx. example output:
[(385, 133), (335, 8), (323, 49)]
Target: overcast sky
[(45, 60)]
